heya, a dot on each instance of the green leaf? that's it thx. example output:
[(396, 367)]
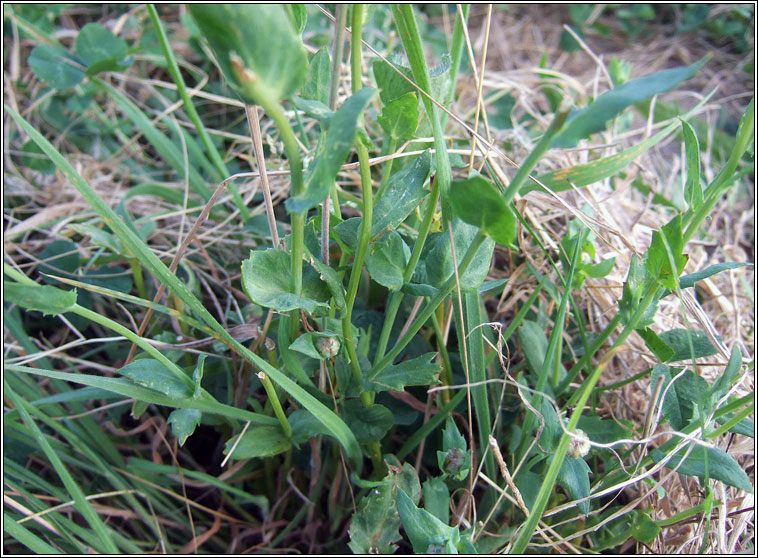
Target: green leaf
[(56, 66), (258, 441), (405, 190), (574, 478), (305, 426), (693, 189), (602, 431), (720, 466), (644, 529), (340, 138), (51, 301), (34, 158), (99, 237), (60, 257), (679, 341), (439, 258), (137, 246), (634, 286), (534, 343), (501, 119), (419, 371), (368, 424), (658, 346), (478, 202), (659, 255), (689, 280), (332, 279), (315, 109), (298, 14), (256, 46), (721, 385), (684, 400), (427, 534), (266, 278), (316, 86), (153, 375), (96, 45), (374, 527), (437, 498), (317, 344), (347, 233), (183, 423), (399, 118), (387, 259), (392, 84), (455, 459), (593, 118)]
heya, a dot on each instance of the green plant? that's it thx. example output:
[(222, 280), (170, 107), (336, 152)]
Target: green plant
[(344, 337)]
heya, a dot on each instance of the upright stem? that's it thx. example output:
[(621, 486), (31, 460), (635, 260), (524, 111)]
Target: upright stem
[(368, 208)]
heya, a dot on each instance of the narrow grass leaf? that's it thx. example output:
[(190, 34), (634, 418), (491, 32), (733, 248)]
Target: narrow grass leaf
[(42, 298), (593, 118), (26, 537)]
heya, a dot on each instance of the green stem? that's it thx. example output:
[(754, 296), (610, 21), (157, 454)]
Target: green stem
[(368, 210), (277, 406), (546, 489), (431, 306), (210, 148), (535, 155), (456, 54)]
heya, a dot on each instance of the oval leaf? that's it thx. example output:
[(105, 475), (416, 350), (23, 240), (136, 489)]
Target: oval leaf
[(266, 278), (258, 441), (256, 46), (152, 374), (478, 202), (56, 66)]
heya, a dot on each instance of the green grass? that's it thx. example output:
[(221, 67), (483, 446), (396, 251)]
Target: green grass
[(339, 392)]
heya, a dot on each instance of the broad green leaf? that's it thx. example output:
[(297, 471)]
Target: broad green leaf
[(437, 498), (693, 189), (60, 257), (690, 279), (49, 300), (131, 241), (56, 66), (33, 158), (257, 47), (305, 426), (574, 478), (636, 279), (414, 372), (720, 466), (399, 118), (151, 374), (183, 423), (298, 14), (478, 202), (316, 86), (390, 82), (439, 258), (99, 49), (427, 534), (455, 459), (658, 346), (528, 483), (347, 233), (368, 424), (659, 256), (315, 109), (332, 279), (374, 526), (387, 259), (684, 398), (99, 237), (644, 529), (501, 119), (266, 278), (258, 441), (593, 118), (339, 141), (534, 343), (721, 385), (679, 341), (602, 431), (317, 344), (405, 190)]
